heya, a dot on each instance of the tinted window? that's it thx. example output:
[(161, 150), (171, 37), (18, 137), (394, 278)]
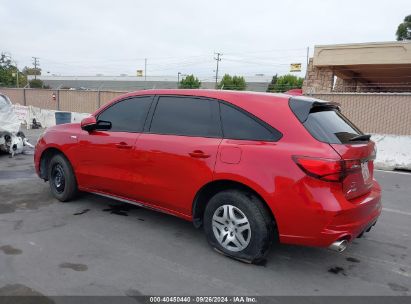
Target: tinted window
[(128, 115), (186, 116), (331, 127), (238, 125)]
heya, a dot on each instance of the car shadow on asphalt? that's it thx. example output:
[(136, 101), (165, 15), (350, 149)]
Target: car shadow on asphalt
[(187, 232)]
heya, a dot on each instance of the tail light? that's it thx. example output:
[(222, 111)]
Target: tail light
[(331, 170)]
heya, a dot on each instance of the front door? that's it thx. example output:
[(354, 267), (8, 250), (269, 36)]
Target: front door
[(105, 157)]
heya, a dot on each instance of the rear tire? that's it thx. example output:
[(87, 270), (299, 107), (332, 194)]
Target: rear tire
[(63, 184), (238, 225)]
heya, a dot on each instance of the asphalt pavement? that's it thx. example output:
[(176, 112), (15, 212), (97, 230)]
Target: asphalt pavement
[(97, 246)]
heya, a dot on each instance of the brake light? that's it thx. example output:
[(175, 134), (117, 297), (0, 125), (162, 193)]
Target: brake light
[(331, 170)]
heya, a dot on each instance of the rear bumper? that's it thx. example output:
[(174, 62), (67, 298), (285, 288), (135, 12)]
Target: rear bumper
[(350, 220), (349, 230)]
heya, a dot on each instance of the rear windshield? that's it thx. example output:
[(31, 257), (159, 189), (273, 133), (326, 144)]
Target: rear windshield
[(331, 126)]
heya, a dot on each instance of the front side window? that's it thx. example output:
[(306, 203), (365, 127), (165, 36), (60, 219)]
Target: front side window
[(186, 116), (127, 115), (238, 125)]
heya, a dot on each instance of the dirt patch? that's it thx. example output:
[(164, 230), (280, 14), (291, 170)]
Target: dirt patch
[(10, 250), (81, 212), (75, 267), (337, 270), (353, 260), (120, 209), (24, 195)]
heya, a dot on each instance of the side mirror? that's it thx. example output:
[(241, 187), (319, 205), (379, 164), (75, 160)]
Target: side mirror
[(103, 125), (90, 124)]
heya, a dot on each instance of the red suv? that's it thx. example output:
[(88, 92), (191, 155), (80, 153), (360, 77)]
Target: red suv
[(251, 168)]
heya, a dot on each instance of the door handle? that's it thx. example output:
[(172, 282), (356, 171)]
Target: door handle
[(199, 154), (123, 145)]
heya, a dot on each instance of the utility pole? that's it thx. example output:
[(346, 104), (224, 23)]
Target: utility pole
[(218, 59), (36, 64)]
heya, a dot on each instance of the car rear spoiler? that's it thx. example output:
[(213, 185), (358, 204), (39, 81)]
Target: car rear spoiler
[(302, 106)]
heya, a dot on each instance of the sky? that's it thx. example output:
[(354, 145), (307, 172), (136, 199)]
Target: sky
[(255, 37)]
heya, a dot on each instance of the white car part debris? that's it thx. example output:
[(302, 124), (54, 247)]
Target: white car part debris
[(16, 146), (9, 122), (12, 141), (26, 143)]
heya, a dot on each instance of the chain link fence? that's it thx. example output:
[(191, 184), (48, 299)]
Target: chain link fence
[(383, 113)]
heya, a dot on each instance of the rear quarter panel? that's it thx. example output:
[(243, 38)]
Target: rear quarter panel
[(298, 202)]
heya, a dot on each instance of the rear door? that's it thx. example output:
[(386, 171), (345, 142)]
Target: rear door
[(327, 124), (176, 156), (105, 157)]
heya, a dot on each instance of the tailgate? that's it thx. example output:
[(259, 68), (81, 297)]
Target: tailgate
[(359, 179)]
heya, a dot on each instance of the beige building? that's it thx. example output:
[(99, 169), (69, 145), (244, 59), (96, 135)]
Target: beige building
[(360, 67)]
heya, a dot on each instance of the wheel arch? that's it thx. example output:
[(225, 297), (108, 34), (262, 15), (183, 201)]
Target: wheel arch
[(45, 158), (209, 190)]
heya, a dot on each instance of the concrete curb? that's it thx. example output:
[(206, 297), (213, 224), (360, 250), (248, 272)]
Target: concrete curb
[(393, 151)]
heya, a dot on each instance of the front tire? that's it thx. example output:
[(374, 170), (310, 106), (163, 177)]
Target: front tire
[(63, 184), (238, 224)]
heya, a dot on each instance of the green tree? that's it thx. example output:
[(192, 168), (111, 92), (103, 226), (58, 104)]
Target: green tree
[(31, 71), (36, 83), (271, 85), (9, 73), (189, 82), (404, 29), (232, 83), (287, 82)]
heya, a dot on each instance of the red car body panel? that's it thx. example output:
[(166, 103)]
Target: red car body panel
[(160, 172)]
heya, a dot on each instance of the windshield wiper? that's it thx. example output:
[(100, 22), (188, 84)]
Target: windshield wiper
[(365, 137)]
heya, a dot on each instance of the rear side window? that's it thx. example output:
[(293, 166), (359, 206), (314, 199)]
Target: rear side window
[(128, 115), (186, 116), (238, 125), (331, 126)]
